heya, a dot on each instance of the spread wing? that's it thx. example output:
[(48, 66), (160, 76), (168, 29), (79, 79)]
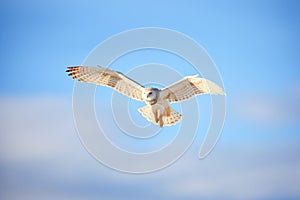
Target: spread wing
[(109, 78), (189, 87)]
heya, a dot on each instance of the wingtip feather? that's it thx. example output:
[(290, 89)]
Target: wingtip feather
[(192, 76)]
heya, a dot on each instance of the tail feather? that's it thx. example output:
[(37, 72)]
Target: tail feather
[(167, 119), (172, 119), (146, 111)]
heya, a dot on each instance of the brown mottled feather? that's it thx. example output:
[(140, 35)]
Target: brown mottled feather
[(189, 87), (168, 119), (107, 77)]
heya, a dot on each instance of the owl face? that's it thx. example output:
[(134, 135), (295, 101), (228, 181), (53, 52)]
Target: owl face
[(150, 95)]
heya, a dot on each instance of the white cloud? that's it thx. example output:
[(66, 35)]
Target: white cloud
[(35, 127), (242, 174), (41, 157), (266, 108)]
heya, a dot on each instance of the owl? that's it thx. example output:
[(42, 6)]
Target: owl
[(157, 109)]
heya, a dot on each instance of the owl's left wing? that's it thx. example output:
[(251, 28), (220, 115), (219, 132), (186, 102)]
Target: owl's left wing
[(109, 78), (189, 87)]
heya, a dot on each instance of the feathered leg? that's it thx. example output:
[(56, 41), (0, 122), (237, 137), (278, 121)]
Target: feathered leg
[(155, 113), (161, 121)]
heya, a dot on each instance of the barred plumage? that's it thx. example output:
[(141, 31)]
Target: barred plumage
[(157, 109)]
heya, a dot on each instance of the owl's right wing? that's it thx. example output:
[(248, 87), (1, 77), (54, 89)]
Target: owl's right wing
[(109, 78), (189, 87)]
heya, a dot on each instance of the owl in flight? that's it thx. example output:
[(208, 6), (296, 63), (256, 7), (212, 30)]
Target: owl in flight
[(157, 109)]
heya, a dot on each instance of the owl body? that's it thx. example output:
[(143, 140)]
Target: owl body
[(157, 109)]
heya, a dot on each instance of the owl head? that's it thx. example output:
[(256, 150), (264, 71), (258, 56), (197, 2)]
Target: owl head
[(150, 95)]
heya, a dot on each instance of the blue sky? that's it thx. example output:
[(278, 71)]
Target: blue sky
[(255, 45), (260, 36)]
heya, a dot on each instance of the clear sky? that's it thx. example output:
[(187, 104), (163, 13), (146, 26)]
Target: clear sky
[(255, 45)]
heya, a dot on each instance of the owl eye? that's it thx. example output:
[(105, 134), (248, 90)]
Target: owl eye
[(150, 93)]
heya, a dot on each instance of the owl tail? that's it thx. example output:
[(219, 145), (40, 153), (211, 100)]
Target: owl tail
[(168, 118)]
